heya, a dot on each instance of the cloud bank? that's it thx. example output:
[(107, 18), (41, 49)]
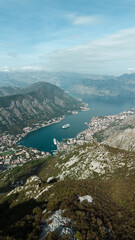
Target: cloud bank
[(114, 51)]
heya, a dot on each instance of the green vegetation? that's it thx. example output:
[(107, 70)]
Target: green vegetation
[(7, 153), (40, 102), (111, 214), (19, 173)]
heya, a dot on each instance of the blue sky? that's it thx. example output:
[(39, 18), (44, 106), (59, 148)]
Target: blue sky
[(93, 36)]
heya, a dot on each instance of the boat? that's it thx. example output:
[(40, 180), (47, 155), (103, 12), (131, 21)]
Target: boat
[(55, 141), (66, 126)]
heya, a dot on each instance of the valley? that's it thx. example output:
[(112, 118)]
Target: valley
[(81, 193), (86, 189)]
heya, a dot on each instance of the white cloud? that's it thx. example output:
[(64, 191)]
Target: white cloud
[(83, 20), (114, 52)]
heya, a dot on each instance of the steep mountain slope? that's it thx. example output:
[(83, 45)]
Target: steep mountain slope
[(54, 204), (41, 101), (122, 139), (119, 133), (123, 86), (92, 160), (84, 192)]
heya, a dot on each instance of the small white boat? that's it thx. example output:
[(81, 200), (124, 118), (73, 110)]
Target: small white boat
[(55, 141), (66, 126)]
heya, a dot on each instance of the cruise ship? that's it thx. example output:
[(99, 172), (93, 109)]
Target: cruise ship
[(66, 126), (55, 141)]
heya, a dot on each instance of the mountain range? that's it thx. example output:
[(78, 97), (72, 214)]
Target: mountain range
[(108, 86), (78, 84), (85, 192)]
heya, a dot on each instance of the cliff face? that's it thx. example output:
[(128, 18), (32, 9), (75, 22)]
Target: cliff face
[(41, 101)]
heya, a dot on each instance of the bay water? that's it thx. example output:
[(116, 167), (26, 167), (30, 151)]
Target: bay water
[(42, 139)]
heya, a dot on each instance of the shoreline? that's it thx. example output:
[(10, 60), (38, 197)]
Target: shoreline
[(27, 130), (59, 119), (20, 153), (96, 125)]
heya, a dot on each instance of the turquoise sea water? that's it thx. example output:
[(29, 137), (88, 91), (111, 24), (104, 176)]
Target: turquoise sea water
[(42, 139)]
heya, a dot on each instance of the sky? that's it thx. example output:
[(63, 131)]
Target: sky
[(87, 36)]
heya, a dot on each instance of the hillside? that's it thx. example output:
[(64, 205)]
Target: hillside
[(85, 193), (122, 139), (118, 131), (107, 86), (41, 101)]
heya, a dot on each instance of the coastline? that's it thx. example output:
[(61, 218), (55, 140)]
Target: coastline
[(28, 130), (50, 122), (96, 125), (13, 153)]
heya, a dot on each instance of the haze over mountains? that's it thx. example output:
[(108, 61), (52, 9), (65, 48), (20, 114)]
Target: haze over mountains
[(77, 84)]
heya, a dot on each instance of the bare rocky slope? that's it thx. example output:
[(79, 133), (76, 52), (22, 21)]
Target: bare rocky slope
[(122, 139), (119, 134)]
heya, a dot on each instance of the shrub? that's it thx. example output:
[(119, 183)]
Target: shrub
[(78, 235)]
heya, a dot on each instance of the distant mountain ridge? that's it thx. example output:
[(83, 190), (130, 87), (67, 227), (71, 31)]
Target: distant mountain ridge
[(78, 84), (123, 86), (41, 101)]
